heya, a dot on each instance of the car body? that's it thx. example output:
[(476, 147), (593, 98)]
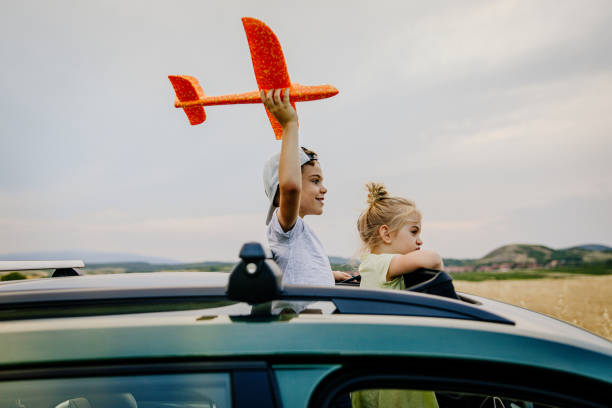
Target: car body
[(204, 339)]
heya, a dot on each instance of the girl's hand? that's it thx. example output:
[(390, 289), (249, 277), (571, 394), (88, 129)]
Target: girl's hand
[(340, 276), (281, 109)]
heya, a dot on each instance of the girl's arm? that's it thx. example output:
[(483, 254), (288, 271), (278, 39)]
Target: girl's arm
[(410, 262), (289, 172)]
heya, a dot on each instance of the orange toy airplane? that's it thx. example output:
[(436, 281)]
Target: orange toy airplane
[(270, 73)]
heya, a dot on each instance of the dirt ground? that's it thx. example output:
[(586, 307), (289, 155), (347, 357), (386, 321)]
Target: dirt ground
[(584, 301)]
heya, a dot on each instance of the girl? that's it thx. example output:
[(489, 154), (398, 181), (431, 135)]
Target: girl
[(390, 229)]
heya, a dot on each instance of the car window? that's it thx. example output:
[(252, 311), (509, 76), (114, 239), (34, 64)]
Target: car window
[(400, 398), (147, 391), (430, 383)]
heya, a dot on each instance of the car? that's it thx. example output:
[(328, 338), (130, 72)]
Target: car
[(215, 339)]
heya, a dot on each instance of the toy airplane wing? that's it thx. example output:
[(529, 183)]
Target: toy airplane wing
[(268, 62), (188, 88), (270, 73)]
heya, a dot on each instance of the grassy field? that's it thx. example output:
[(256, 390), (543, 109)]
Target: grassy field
[(584, 301), (558, 272)]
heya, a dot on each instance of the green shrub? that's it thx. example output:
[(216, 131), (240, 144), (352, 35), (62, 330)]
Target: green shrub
[(12, 276)]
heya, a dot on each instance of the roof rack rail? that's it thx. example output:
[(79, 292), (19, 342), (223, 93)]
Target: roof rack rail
[(393, 302), (101, 300), (62, 268)]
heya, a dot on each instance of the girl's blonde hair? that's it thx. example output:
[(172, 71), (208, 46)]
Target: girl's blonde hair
[(394, 212)]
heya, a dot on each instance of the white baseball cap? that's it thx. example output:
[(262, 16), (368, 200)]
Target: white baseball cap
[(270, 177)]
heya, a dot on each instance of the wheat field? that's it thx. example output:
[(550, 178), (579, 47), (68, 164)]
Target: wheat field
[(584, 301)]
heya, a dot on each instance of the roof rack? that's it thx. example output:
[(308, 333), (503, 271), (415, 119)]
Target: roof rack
[(62, 268), (255, 280), (99, 301)]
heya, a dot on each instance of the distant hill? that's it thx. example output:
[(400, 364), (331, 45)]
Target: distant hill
[(539, 255), (518, 253), (514, 256), (593, 247), (458, 262), (340, 260), (338, 263), (130, 267)]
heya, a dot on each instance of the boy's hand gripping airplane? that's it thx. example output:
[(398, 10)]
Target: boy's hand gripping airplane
[(270, 73)]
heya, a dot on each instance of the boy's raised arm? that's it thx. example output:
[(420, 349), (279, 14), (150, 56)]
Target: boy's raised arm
[(289, 172)]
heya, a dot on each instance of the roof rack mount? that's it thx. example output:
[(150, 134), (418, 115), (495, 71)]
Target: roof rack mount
[(257, 278)]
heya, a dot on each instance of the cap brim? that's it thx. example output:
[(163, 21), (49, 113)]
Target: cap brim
[(270, 213)]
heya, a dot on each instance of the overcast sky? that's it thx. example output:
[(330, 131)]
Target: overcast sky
[(493, 116)]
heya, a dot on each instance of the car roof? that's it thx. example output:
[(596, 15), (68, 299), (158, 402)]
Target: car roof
[(181, 335), (484, 329), (213, 284)]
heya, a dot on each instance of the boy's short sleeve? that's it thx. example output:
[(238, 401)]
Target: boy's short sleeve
[(373, 270), (277, 232)]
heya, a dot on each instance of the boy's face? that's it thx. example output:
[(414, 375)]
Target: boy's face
[(313, 190), (407, 238)]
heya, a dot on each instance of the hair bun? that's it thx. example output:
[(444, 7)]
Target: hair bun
[(376, 192)]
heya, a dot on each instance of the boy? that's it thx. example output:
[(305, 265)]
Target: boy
[(293, 181)]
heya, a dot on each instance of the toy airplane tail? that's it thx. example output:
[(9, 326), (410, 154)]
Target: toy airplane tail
[(188, 89)]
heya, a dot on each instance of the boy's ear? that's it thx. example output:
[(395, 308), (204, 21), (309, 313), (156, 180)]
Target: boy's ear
[(385, 234)]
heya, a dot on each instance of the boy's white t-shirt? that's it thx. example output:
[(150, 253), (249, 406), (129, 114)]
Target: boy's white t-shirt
[(300, 254)]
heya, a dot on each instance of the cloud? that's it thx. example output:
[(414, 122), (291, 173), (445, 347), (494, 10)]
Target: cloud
[(488, 36), (477, 110)]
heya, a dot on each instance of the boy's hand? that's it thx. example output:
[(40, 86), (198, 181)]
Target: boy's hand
[(340, 276), (281, 109)]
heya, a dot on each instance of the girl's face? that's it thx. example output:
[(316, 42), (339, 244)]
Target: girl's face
[(406, 239), (313, 190)]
